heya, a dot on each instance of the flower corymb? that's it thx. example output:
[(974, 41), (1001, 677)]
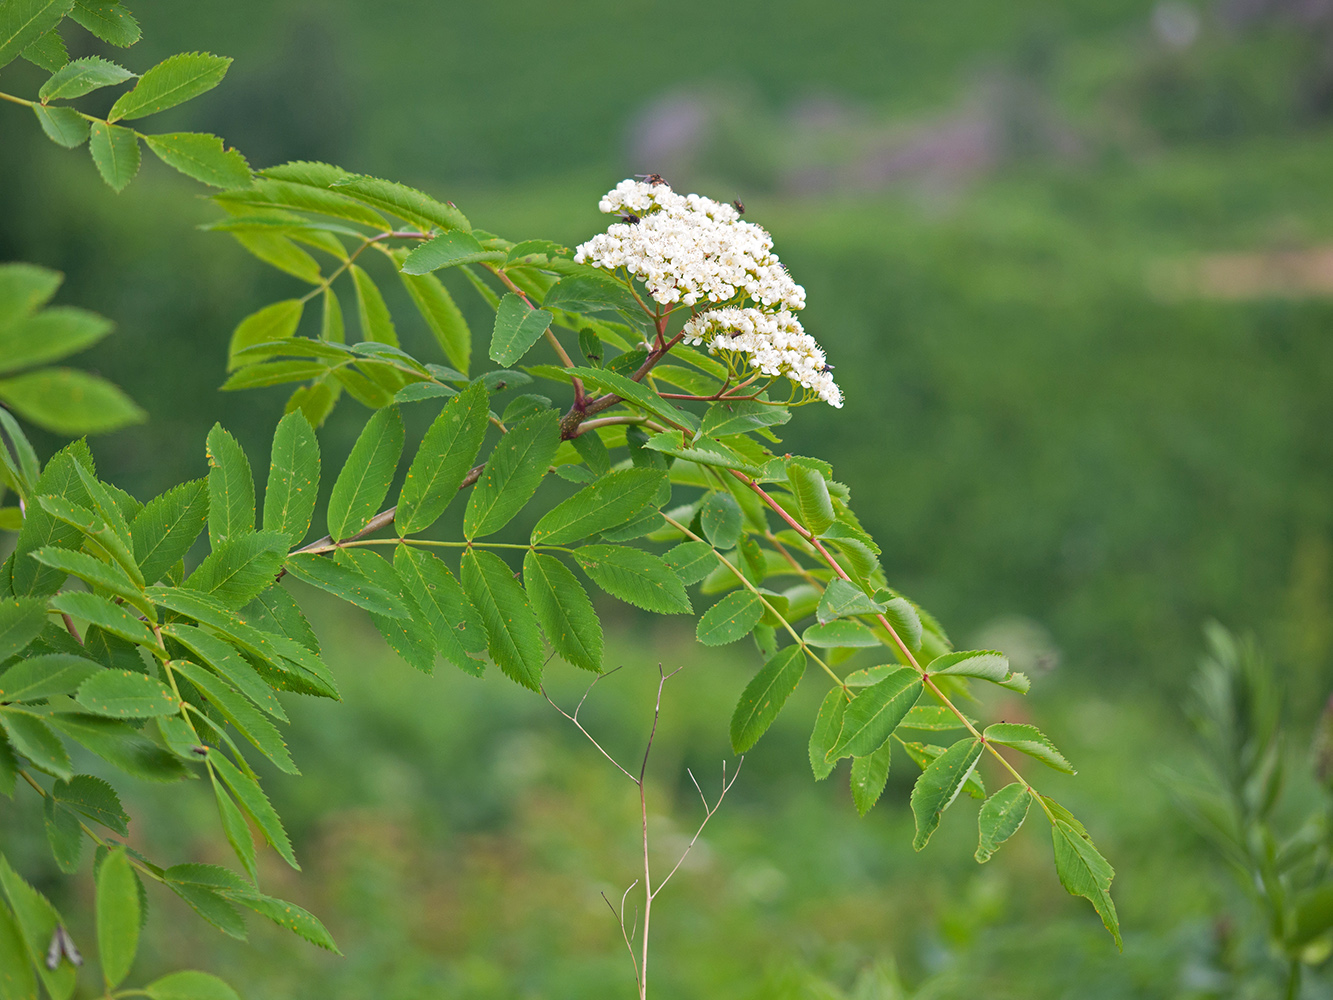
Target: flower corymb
[(689, 250)]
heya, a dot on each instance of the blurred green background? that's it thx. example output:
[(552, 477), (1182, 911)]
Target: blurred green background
[(1074, 264)]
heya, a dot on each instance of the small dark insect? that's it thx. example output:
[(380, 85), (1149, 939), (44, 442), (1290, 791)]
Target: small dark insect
[(201, 751), (739, 206), (499, 386), (827, 368), (61, 947), (629, 217), (653, 179)]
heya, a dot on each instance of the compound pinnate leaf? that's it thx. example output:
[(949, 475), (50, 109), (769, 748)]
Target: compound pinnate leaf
[(372, 312), (764, 697), (517, 328), (636, 577), (512, 474), (201, 156), (608, 502), (444, 459), (409, 635), (906, 621), (564, 610), (293, 478), (364, 480), (869, 776), (939, 785), (247, 719), (82, 76), (730, 619), (297, 920), (117, 917), (189, 985), (97, 610), (875, 713), (1031, 741), (388, 196), (1000, 817), (127, 695), (277, 321), (115, 152), (220, 657), (842, 633), (513, 635), (173, 81)]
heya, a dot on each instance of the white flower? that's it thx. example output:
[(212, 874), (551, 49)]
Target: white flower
[(772, 343)]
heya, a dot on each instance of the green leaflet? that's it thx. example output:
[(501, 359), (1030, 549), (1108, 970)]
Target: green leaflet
[(231, 489), (82, 76), (120, 743), (295, 919), (636, 393), (115, 152), (1084, 872), (201, 156), (189, 985), (238, 569), (1000, 817), (869, 776), (448, 250), (51, 334), (1031, 741), (110, 22), (239, 712), (21, 981), (828, 724), (341, 581), (986, 664), (564, 611), (843, 600), (513, 636), (95, 799), (730, 619), (840, 634), (167, 526), (226, 662), (64, 835), (97, 610), (398, 199), (692, 561), (280, 252), (201, 885), (275, 322), (812, 497), (364, 480), (125, 694), (939, 784), (37, 920), (408, 635), (69, 401), (256, 805), (95, 573), (609, 501), (442, 316), (905, 621), (34, 739), (21, 620), (764, 697), (22, 22), (720, 517), (63, 126), (41, 529), (173, 81), (636, 577), (875, 713), (456, 624), (45, 676), (517, 327), (117, 917), (293, 478), (723, 419), (512, 474), (376, 323), (444, 459)]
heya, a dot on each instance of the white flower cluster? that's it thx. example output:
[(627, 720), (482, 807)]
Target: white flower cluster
[(689, 249), (774, 343), (695, 251)]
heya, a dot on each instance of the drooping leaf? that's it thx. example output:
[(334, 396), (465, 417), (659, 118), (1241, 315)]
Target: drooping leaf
[(1000, 817), (64, 834), (238, 569), (1084, 872), (408, 635), (940, 784), (636, 577), (609, 501), (447, 453), (34, 739), (289, 915), (869, 776), (239, 712), (117, 917), (376, 322), (167, 526), (457, 625), (201, 156), (906, 621), (82, 76), (125, 694), (256, 805), (564, 610), (364, 480), (1031, 741), (63, 126), (812, 497), (513, 635), (69, 401), (730, 619), (512, 474), (442, 316), (22, 22), (448, 250), (119, 743), (764, 697), (875, 713), (231, 489), (115, 152), (274, 322), (17, 980), (220, 657), (203, 892), (173, 81), (828, 724), (293, 478)]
